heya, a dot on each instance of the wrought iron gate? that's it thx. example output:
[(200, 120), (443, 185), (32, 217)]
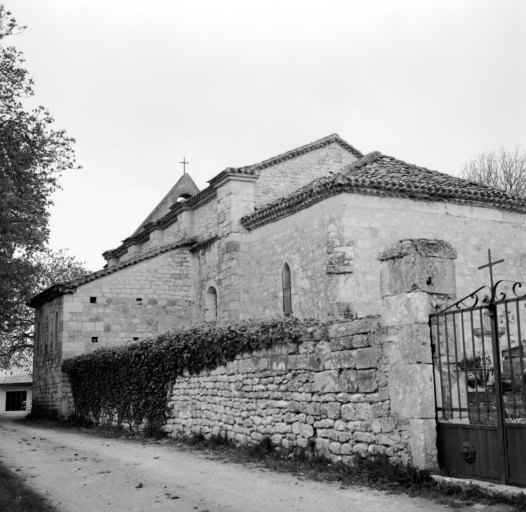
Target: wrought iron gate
[(479, 361)]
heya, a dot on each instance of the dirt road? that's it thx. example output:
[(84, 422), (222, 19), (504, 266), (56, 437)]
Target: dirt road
[(80, 472)]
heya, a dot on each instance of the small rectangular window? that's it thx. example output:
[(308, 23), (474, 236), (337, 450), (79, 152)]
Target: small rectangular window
[(138, 301), (94, 339), (93, 300), (135, 338)]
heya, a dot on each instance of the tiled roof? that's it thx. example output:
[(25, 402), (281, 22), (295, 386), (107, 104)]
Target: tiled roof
[(377, 174), (62, 288), (16, 378), (293, 153), (209, 193)]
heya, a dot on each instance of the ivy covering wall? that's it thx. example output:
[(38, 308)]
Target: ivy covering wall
[(131, 384)]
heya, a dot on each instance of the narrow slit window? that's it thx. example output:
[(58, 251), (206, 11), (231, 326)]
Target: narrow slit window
[(56, 327), (211, 304), (94, 339), (287, 290), (135, 338), (93, 300)]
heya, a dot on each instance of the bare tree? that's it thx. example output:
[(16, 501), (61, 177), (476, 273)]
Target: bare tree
[(500, 169)]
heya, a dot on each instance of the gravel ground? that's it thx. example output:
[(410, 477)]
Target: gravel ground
[(80, 472)]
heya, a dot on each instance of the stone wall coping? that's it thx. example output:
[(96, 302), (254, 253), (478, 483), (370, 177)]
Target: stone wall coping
[(423, 247)]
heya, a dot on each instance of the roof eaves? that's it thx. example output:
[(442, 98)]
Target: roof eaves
[(347, 181), (293, 153)]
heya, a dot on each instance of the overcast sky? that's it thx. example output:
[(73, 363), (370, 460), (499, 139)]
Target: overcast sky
[(141, 85)]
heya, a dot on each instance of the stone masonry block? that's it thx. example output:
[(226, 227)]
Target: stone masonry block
[(425, 265), (348, 381), (424, 247), (306, 431), (366, 358), (422, 435), (358, 411), (408, 344), (360, 326), (342, 359), (411, 391), (410, 308), (326, 382), (366, 381), (416, 273), (330, 410)]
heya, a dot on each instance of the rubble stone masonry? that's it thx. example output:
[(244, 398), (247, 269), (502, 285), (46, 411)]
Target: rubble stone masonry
[(364, 386), (328, 392)]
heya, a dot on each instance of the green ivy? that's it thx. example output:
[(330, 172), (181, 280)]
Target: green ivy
[(132, 383)]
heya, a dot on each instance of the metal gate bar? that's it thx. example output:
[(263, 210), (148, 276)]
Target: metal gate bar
[(481, 409)]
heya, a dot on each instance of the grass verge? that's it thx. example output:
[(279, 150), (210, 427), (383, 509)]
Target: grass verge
[(376, 472), (16, 496)]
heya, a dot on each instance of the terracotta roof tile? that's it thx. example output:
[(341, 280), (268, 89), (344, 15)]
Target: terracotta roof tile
[(377, 174)]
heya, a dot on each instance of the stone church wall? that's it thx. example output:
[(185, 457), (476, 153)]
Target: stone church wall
[(200, 223), (286, 177), (299, 241), (142, 300), (332, 250), (164, 286), (205, 220), (48, 381), (362, 386)]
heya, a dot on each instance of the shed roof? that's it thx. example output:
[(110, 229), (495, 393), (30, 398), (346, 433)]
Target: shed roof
[(16, 378)]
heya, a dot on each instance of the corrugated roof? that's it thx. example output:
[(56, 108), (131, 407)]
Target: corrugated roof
[(377, 174), (16, 378)]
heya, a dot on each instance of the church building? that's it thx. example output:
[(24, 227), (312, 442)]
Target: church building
[(296, 234)]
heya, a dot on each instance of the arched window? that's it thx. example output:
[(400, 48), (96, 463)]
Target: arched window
[(211, 304), (287, 290)]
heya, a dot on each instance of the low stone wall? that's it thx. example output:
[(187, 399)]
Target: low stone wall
[(362, 386), (329, 392)]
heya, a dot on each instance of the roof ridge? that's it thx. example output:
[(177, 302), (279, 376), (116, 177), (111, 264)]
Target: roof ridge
[(208, 193), (333, 137), (387, 176), (369, 158), (487, 188)]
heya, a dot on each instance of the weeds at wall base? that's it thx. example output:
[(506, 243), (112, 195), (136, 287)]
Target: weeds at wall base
[(377, 472)]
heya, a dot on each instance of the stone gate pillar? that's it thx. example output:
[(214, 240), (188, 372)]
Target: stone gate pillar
[(417, 276)]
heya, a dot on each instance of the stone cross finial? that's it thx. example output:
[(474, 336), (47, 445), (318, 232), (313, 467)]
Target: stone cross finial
[(185, 163), (490, 265)]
